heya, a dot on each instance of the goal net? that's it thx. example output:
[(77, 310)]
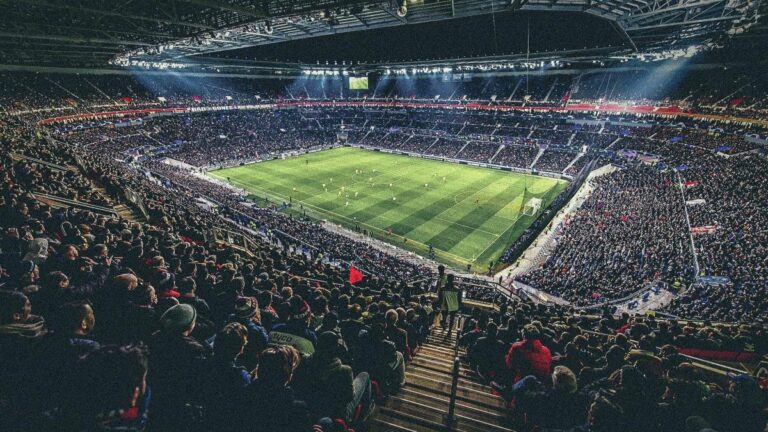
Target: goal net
[(532, 207)]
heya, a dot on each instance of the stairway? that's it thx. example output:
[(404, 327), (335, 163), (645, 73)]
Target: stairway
[(420, 406)]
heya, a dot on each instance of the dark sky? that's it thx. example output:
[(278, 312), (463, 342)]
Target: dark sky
[(463, 37)]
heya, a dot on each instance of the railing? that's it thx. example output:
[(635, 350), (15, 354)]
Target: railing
[(79, 204), (39, 162), (450, 417)]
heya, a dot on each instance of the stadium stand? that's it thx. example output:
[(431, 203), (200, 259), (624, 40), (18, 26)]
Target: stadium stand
[(141, 292)]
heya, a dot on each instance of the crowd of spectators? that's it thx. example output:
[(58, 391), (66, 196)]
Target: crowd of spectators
[(612, 373), (629, 232), (107, 324)]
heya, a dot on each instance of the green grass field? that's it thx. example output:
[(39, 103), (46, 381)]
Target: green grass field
[(468, 214)]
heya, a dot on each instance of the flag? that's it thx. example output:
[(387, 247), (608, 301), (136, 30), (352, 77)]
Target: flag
[(197, 99), (127, 99), (355, 275), (691, 183)]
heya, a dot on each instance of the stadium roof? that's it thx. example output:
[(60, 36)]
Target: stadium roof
[(91, 32)]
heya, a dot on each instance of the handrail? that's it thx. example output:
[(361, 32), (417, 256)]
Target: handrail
[(450, 417), (40, 161), (73, 203)]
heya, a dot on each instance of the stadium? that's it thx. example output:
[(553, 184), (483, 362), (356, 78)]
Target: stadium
[(384, 216)]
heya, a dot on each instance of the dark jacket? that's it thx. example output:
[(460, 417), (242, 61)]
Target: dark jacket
[(269, 407), (326, 384)]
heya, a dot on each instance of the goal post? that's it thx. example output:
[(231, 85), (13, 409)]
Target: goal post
[(532, 207)]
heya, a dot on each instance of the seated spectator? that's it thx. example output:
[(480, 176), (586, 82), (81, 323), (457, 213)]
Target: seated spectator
[(296, 331), (109, 392), (381, 359), (329, 386), (270, 402), (538, 403), (176, 363), (487, 354), (225, 379), (529, 356)]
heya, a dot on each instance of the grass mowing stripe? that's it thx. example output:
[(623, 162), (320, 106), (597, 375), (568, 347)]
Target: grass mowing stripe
[(443, 211), (474, 217)]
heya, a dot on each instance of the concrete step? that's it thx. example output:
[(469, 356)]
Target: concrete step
[(424, 410), (420, 371), (442, 385), (420, 406), (439, 400)]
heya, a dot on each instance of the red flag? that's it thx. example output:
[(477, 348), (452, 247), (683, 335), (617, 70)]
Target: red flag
[(355, 275), (127, 99), (197, 99)]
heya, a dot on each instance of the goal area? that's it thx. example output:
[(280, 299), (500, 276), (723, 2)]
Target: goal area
[(532, 207)]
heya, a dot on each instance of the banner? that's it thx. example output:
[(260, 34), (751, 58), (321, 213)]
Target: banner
[(691, 183), (696, 202), (706, 229)]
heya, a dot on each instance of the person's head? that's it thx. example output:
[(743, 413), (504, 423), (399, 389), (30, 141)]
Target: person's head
[(391, 317), (441, 269), (492, 330), (265, 299), (531, 333), (328, 345), (330, 320), (187, 286), (70, 252), (564, 380), (277, 364), (55, 281), (144, 295), (179, 319), (14, 307), (355, 312), (77, 318), (605, 416), (247, 309), (125, 282), (230, 341), (113, 377)]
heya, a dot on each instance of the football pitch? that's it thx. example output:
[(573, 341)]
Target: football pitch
[(468, 214)]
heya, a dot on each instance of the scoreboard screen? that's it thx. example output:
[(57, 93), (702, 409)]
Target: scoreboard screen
[(358, 83)]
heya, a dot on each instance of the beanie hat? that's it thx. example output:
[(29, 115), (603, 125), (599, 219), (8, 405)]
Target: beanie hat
[(246, 307), (178, 318)]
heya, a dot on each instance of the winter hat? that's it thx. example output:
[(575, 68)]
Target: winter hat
[(178, 318), (246, 307)]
